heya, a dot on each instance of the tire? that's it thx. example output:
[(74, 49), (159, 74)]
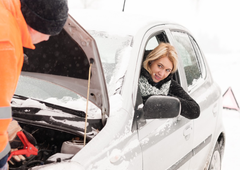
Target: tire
[(216, 159)]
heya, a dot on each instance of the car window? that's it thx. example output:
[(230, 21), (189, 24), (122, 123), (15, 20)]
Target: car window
[(199, 56), (152, 43), (189, 58)]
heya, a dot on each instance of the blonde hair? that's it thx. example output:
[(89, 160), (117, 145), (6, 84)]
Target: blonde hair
[(162, 50)]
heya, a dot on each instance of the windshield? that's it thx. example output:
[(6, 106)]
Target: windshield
[(110, 48), (114, 51)]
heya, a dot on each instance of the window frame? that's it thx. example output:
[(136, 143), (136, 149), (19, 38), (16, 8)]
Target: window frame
[(199, 60), (199, 57), (158, 39)]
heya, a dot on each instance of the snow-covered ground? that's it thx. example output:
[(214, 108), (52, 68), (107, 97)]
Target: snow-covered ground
[(225, 70), (232, 124)]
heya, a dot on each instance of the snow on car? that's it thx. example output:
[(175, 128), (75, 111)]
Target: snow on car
[(91, 69)]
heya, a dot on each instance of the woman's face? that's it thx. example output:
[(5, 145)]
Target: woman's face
[(161, 68)]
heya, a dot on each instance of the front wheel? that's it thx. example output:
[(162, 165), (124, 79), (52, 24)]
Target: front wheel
[(215, 163)]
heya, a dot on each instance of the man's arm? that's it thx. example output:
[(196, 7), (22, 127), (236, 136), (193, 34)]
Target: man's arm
[(8, 79)]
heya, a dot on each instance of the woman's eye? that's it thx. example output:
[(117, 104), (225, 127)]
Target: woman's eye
[(160, 66), (168, 70)]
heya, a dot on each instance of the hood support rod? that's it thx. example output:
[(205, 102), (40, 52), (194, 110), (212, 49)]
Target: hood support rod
[(89, 78)]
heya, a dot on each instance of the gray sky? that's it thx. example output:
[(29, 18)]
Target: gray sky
[(214, 23)]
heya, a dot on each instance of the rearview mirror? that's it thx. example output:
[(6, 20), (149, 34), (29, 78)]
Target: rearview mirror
[(161, 107)]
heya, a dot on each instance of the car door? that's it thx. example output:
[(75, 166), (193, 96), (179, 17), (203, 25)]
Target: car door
[(165, 143), (204, 91)]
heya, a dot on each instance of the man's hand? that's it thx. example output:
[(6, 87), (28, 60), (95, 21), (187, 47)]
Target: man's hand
[(13, 128), (18, 158)]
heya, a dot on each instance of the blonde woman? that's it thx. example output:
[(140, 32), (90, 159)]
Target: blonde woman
[(156, 79)]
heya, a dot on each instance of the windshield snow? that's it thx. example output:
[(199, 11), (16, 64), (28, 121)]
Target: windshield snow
[(113, 49)]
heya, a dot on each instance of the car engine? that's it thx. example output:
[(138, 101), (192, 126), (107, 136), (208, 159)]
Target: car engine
[(53, 146)]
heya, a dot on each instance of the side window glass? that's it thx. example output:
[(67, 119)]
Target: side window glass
[(152, 43), (199, 56), (190, 61)]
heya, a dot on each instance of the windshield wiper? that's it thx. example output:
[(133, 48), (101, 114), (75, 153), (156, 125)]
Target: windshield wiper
[(64, 109)]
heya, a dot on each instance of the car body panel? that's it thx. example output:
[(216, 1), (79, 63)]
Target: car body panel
[(158, 137), (211, 108), (124, 146)]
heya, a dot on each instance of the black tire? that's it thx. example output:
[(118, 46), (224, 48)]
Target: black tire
[(215, 163)]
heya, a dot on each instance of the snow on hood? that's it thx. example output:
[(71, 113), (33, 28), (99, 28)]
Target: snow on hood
[(44, 110), (94, 112), (77, 104)]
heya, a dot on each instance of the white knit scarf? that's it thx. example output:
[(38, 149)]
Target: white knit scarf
[(147, 89)]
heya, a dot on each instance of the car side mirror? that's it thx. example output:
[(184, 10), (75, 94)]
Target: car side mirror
[(161, 107)]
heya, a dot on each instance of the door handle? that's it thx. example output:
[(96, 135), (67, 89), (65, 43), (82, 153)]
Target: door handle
[(187, 132), (215, 109)]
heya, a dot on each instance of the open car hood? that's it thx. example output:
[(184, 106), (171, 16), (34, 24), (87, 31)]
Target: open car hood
[(65, 60)]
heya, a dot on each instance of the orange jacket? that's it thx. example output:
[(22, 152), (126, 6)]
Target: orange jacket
[(13, 36)]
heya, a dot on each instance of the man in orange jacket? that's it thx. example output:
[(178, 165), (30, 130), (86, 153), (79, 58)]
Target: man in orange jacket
[(22, 24)]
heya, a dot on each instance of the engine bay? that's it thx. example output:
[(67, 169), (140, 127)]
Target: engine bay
[(59, 131), (52, 145)]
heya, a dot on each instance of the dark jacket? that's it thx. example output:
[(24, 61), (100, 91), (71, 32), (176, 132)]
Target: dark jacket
[(189, 108)]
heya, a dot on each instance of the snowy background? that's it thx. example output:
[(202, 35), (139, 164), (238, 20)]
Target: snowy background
[(215, 25), (224, 68)]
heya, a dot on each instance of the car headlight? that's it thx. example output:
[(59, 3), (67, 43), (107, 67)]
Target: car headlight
[(60, 166)]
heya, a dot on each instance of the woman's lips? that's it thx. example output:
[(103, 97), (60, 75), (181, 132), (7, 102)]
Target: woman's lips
[(157, 77)]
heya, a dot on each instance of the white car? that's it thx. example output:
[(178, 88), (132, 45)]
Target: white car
[(55, 94)]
